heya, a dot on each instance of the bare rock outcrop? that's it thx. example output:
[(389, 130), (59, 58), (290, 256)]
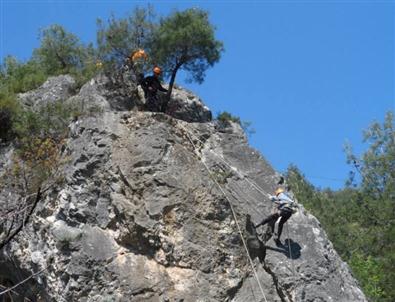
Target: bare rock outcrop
[(139, 217), (58, 88)]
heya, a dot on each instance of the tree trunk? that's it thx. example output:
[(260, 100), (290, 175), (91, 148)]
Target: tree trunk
[(171, 83)]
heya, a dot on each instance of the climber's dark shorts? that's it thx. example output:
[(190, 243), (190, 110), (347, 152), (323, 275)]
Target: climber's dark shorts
[(152, 103)]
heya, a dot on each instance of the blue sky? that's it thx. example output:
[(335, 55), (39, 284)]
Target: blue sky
[(309, 75)]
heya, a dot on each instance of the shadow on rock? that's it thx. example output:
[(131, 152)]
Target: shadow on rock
[(290, 248), (256, 248)]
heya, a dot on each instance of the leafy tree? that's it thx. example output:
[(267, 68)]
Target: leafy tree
[(369, 272), (60, 51), (376, 167), (360, 219), (19, 77), (15, 77), (185, 40), (120, 37)]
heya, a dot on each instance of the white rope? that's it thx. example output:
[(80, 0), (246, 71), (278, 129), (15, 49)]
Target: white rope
[(234, 217), (252, 183), (240, 197), (259, 189)]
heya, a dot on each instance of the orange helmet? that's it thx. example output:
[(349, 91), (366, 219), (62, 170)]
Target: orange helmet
[(138, 54), (279, 190), (157, 70)]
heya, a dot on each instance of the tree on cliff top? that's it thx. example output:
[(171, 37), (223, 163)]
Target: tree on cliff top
[(60, 51), (185, 40)]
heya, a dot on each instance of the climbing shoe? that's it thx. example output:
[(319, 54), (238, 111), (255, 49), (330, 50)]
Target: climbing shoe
[(278, 241)]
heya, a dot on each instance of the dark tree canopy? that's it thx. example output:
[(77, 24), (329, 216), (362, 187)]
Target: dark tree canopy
[(360, 219), (185, 40), (60, 51)]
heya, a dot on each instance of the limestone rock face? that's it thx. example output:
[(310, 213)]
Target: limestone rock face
[(143, 214), (54, 89), (186, 106)]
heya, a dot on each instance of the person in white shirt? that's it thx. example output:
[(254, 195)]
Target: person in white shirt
[(284, 209)]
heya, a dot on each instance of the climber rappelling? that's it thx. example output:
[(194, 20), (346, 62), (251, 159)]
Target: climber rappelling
[(284, 208)]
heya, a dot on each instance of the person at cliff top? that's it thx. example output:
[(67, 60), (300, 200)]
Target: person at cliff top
[(151, 85), (284, 209)]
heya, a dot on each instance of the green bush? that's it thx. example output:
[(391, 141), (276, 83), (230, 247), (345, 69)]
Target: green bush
[(5, 122), (9, 109), (17, 77), (368, 271), (360, 219), (225, 117), (38, 137), (59, 51)]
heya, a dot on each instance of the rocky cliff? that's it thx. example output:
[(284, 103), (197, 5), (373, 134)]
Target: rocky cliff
[(149, 209)]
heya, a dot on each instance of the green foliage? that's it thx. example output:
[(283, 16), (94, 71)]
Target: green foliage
[(5, 122), (225, 117), (19, 77), (368, 272), (376, 166), (39, 136), (50, 120), (91, 66), (359, 219), (120, 37), (8, 110), (182, 40), (16, 77), (60, 51), (185, 40)]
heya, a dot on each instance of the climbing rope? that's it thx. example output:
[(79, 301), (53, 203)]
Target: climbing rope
[(233, 214), (252, 183), (241, 175)]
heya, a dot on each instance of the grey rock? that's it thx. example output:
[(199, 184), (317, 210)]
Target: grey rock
[(58, 88), (63, 233), (186, 106), (140, 218)]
